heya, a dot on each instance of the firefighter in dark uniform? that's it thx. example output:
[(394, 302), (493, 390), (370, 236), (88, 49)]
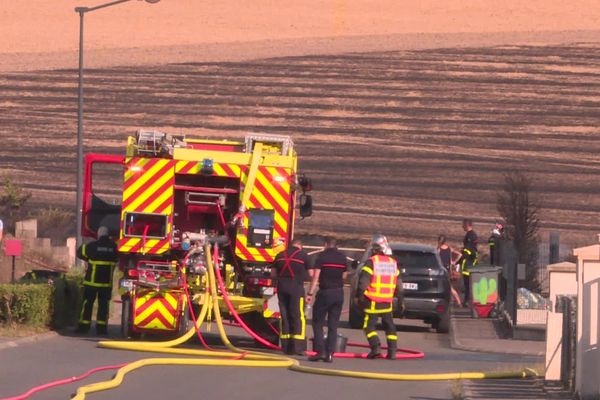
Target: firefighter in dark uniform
[(378, 283), (330, 270), (290, 268), (493, 242), (468, 259), (101, 258)]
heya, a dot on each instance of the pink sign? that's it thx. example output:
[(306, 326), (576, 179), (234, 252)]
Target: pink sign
[(13, 247)]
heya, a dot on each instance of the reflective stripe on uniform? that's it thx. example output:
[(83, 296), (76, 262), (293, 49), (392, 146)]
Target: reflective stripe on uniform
[(302, 334), (94, 264), (392, 337)]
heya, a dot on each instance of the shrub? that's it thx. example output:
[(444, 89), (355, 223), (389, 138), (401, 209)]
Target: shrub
[(52, 303), (68, 294), (29, 304)]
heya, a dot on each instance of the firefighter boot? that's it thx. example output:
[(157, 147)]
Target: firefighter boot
[(375, 348), (391, 349)]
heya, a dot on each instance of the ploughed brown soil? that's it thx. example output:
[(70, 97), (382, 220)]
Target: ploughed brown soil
[(406, 143)]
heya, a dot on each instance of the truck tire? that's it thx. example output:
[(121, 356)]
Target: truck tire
[(126, 318), (356, 317), (260, 326), (184, 321)]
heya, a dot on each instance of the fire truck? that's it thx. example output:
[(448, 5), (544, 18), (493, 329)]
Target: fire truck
[(176, 192)]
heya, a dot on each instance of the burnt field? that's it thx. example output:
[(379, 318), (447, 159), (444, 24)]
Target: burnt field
[(407, 143)]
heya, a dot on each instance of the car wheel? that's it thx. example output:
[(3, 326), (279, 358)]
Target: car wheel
[(356, 317), (442, 325)]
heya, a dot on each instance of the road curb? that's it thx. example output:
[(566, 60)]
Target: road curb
[(456, 343), (12, 343)]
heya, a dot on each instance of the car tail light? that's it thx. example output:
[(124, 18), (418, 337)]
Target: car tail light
[(440, 309)]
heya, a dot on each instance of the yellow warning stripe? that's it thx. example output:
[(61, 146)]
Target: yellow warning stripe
[(145, 177), (286, 183), (272, 191), (140, 163), (152, 189)]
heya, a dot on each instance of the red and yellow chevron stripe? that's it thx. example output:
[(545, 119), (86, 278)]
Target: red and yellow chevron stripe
[(148, 188), (272, 191), (156, 310), (220, 169)]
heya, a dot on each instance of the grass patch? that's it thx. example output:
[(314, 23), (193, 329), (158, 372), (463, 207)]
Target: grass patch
[(19, 331)]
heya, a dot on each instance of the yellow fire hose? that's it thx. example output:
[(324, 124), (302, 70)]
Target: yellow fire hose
[(253, 358)]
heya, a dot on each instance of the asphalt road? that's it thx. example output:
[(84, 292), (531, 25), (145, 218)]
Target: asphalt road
[(36, 363)]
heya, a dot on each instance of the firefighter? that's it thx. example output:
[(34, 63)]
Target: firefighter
[(101, 258), (493, 240), (330, 270), (378, 283), (290, 268), (468, 258)]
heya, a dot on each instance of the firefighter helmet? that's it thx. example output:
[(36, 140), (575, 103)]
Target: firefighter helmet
[(379, 243), (102, 231)]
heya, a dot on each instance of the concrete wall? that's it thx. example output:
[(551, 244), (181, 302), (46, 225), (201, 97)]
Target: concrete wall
[(587, 383), (563, 281), (36, 252)]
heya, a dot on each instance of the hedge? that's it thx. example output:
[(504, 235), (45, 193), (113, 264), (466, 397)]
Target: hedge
[(53, 303)]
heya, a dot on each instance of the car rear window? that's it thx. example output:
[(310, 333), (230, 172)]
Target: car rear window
[(415, 259)]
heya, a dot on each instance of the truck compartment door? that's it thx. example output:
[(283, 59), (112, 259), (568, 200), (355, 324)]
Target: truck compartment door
[(102, 193)]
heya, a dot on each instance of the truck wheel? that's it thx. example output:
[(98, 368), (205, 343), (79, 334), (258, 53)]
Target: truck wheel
[(260, 326), (126, 318), (356, 318), (184, 322)]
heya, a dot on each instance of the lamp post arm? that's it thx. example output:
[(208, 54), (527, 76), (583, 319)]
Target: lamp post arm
[(112, 3)]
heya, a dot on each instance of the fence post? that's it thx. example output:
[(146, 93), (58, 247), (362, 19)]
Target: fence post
[(567, 305), (554, 248), (509, 258)]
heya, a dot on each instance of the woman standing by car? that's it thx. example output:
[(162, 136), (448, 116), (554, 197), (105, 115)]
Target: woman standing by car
[(449, 256)]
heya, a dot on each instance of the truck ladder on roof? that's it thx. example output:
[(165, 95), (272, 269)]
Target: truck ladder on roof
[(280, 143)]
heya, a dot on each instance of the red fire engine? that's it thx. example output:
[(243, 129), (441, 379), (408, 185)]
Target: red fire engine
[(176, 193)]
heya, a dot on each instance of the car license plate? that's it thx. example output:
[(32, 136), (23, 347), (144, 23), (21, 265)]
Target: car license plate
[(126, 284), (410, 286), (268, 291)]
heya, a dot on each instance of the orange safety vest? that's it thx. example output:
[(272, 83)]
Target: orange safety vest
[(384, 277)]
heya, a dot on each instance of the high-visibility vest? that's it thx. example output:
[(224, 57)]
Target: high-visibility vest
[(99, 273), (384, 277)]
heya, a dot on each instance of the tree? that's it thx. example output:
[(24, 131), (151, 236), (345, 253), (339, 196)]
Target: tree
[(12, 201), (521, 218)]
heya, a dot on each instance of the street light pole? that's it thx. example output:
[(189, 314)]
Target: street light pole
[(79, 186), (79, 189)]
